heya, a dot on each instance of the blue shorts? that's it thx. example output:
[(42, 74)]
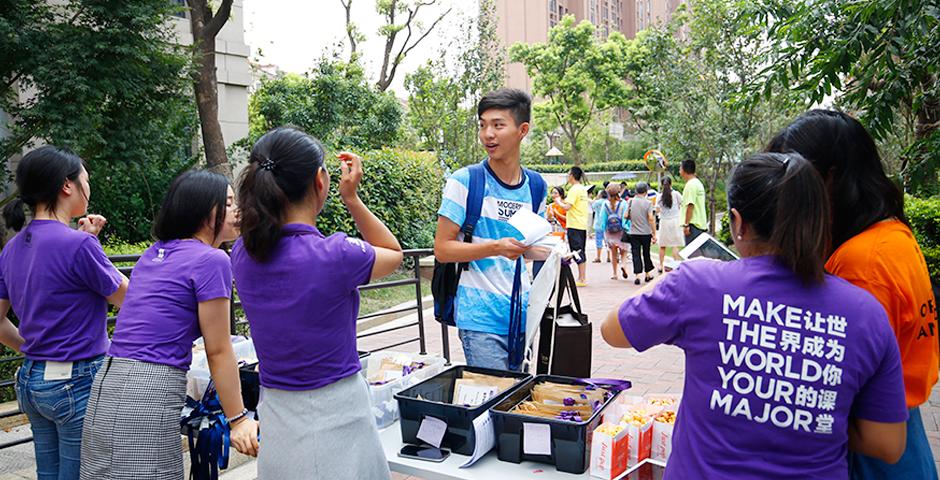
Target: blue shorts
[(486, 350), (917, 461), (599, 238)]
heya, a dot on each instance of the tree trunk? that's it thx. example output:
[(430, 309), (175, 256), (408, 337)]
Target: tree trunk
[(207, 100), (350, 29), (573, 140), (205, 27)]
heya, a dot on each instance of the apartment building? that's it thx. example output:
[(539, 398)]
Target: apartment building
[(530, 20)]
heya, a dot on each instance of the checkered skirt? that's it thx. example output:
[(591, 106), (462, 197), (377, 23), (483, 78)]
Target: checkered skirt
[(132, 426)]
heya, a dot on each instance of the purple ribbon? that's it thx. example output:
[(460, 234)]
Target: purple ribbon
[(611, 384)]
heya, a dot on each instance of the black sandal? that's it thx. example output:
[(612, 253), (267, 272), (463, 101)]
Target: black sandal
[(623, 272), (637, 281), (647, 279)]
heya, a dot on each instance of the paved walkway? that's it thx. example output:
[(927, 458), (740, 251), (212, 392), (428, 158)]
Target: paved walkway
[(657, 370)]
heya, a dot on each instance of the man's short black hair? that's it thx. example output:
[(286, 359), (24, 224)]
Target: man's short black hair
[(577, 173), (516, 101), (688, 166)]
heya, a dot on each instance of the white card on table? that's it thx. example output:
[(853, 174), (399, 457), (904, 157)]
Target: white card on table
[(432, 431), (536, 439), (57, 371)]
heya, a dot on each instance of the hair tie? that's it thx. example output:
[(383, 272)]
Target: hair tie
[(266, 164)]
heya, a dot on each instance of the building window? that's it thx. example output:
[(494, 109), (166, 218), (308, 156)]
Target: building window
[(182, 10)]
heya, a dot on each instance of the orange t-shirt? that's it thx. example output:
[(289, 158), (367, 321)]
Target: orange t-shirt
[(560, 214), (886, 261)]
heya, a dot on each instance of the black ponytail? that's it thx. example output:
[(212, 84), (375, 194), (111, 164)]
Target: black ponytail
[(14, 216), (666, 195), (783, 198), (282, 169), (39, 178)]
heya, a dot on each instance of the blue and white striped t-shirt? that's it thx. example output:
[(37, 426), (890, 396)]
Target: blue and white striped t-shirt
[(484, 292)]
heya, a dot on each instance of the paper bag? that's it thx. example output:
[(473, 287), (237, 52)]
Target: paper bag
[(639, 442), (608, 453), (661, 445)]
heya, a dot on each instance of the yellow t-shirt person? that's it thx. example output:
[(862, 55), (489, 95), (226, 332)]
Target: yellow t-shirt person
[(580, 206)]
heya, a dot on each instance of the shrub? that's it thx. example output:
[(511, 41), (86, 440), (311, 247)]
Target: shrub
[(401, 187), (924, 216)]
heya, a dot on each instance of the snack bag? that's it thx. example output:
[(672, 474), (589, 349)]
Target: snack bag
[(662, 435), (639, 425), (609, 451), (664, 400)]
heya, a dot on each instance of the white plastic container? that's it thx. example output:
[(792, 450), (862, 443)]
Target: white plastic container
[(384, 405), (197, 378)]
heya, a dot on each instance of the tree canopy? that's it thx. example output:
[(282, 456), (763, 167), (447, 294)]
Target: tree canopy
[(107, 80), (576, 74), (334, 102)]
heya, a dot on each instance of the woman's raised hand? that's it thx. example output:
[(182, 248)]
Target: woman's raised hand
[(350, 168)]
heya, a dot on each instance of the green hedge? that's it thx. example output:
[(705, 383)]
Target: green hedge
[(401, 187), (618, 166), (924, 216)]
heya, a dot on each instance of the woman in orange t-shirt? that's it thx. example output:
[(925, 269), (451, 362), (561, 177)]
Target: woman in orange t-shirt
[(555, 214), (874, 248)]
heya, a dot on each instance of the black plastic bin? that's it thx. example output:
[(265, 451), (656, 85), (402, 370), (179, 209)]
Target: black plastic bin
[(571, 442), (436, 394), (251, 384)]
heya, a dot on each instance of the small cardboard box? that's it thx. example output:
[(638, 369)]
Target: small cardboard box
[(609, 454)]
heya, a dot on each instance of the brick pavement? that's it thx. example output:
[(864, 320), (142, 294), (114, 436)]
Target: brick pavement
[(659, 369)]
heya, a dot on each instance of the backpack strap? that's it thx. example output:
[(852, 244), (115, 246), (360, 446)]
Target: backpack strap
[(474, 205), (474, 199), (537, 188)]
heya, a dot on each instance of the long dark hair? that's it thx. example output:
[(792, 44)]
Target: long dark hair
[(666, 195), (782, 197), (283, 167), (39, 178), (843, 152), (189, 204)]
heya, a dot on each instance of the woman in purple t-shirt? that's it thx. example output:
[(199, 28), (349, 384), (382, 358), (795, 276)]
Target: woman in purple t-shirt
[(59, 282), (181, 290), (787, 367), (299, 289)]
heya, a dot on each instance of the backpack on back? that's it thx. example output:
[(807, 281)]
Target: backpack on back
[(446, 276), (614, 222)]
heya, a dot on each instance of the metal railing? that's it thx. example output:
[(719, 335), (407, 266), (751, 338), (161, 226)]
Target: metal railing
[(414, 256)]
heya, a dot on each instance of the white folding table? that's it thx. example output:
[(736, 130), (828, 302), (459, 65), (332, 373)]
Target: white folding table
[(487, 468)]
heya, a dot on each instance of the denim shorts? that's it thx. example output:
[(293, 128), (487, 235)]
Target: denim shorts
[(486, 350)]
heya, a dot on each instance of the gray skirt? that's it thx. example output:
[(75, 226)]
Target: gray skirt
[(132, 426), (327, 433)]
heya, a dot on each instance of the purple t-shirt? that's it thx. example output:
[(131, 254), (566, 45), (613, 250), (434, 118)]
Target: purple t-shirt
[(302, 306), (56, 279), (160, 316), (774, 369)]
